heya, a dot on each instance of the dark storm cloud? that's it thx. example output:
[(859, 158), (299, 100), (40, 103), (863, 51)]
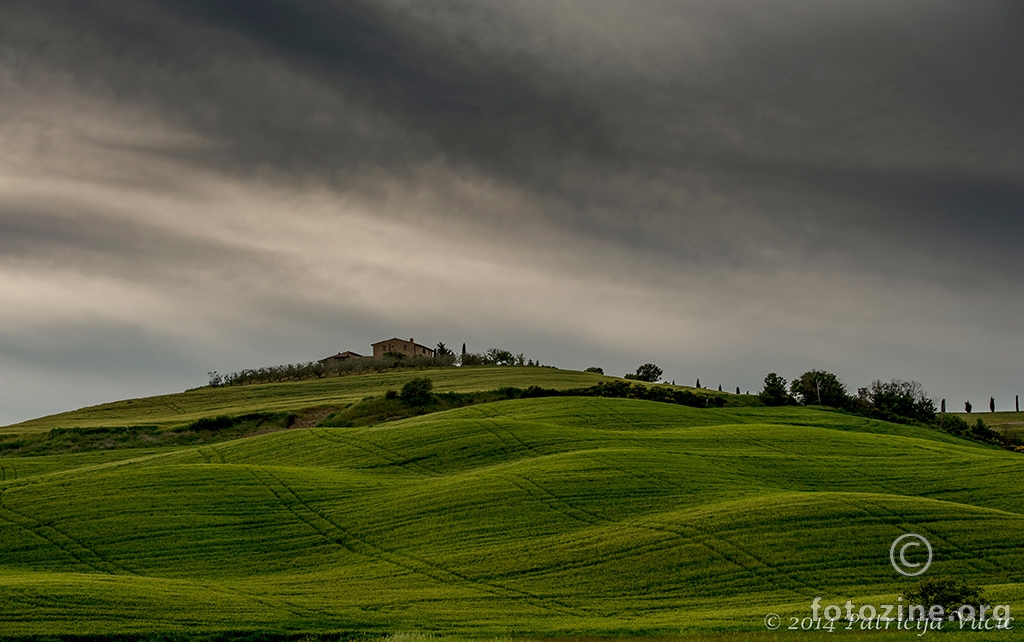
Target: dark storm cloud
[(294, 76), (732, 165), (328, 87), (77, 238)]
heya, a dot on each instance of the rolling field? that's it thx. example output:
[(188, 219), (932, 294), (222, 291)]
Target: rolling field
[(533, 517), (1010, 424), (179, 409)]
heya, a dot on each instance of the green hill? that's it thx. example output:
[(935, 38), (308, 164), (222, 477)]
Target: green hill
[(179, 409), (556, 516)]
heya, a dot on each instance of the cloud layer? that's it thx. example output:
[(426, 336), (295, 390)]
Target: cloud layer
[(723, 188)]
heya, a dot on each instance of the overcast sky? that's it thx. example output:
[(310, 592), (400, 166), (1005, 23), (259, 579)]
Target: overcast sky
[(723, 188)]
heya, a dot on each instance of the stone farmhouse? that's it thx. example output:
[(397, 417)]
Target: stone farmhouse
[(409, 348)]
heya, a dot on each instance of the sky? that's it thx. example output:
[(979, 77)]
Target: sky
[(725, 189)]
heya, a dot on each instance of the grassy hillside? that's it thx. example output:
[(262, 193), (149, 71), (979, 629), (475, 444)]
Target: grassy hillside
[(182, 408), (548, 516), (1008, 423)]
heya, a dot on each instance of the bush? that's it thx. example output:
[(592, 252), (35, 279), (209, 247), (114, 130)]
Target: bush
[(599, 371), (981, 432), (948, 592), (954, 425), (212, 423), (417, 392)]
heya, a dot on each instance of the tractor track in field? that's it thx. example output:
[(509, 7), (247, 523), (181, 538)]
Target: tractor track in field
[(390, 457), (667, 543), (639, 475), (343, 537), (877, 509), (720, 547), (731, 552), (89, 558), (554, 502), (518, 444), (211, 455), (63, 542)]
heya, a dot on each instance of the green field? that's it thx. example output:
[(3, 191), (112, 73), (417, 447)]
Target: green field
[(1009, 423), (551, 517), (182, 408)]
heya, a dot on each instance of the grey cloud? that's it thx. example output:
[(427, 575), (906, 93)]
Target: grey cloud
[(285, 83), (644, 143), (92, 242)]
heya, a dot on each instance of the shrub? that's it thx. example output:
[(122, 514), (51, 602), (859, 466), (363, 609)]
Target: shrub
[(212, 423), (981, 432), (955, 425), (599, 371), (417, 392), (948, 592)]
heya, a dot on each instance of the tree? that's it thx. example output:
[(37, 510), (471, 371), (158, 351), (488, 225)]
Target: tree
[(898, 398), (442, 350), (698, 383), (719, 387), (819, 388), (417, 392), (647, 372), (737, 390), (499, 357), (774, 393), (968, 407), (991, 404), (595, 369)]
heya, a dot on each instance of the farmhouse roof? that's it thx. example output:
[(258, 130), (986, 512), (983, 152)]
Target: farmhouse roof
[(348, 354), (419, 345)]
